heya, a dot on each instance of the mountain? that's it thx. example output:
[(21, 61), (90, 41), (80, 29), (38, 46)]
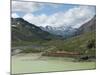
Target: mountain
[(25, 31), (64, 31), (68, 31), (84, 44), (88, 26)]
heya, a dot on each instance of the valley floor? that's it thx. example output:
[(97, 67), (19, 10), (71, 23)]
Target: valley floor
[(34, 62)]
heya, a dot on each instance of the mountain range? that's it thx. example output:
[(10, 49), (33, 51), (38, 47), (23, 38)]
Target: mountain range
[(64, 31), (25, 31), (80, 40), (69, 31)]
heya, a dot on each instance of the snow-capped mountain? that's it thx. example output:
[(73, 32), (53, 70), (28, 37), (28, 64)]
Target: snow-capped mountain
[(65, 31)]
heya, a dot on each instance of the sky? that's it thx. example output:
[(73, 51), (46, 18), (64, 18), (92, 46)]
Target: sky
[(55, 15)]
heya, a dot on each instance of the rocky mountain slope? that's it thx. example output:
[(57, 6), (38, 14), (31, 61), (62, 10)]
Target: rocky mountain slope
[(25, 31), (88, 26)]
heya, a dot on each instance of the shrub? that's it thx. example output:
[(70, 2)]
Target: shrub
[(91, 44)]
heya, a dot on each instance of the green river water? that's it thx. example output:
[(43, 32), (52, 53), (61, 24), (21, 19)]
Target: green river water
[(33, 63)]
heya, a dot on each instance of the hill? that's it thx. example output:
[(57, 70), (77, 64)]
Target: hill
[(88, 26), (23, 31), (83, 44)]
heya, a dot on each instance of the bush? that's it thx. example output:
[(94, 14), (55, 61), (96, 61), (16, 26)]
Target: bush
[(91, 44)]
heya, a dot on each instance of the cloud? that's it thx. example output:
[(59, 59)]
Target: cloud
[(73, 17), (38, 20), (29, 7), (25, 7), (14, 15)]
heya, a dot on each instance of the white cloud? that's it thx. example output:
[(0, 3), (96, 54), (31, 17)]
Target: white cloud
[(25, 7), (74, 16), (14, 15), (38, 20), (29, 7)]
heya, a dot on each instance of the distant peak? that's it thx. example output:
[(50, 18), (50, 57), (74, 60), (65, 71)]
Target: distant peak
[(18, 18)]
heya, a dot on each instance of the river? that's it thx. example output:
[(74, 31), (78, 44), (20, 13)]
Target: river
[(33, 63)]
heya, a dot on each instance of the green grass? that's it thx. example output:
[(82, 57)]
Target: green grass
[(81, 43), (77, 43), (31, 50), (26, 43)]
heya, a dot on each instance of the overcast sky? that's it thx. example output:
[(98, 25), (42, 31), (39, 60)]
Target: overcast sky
[(42, 14)]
